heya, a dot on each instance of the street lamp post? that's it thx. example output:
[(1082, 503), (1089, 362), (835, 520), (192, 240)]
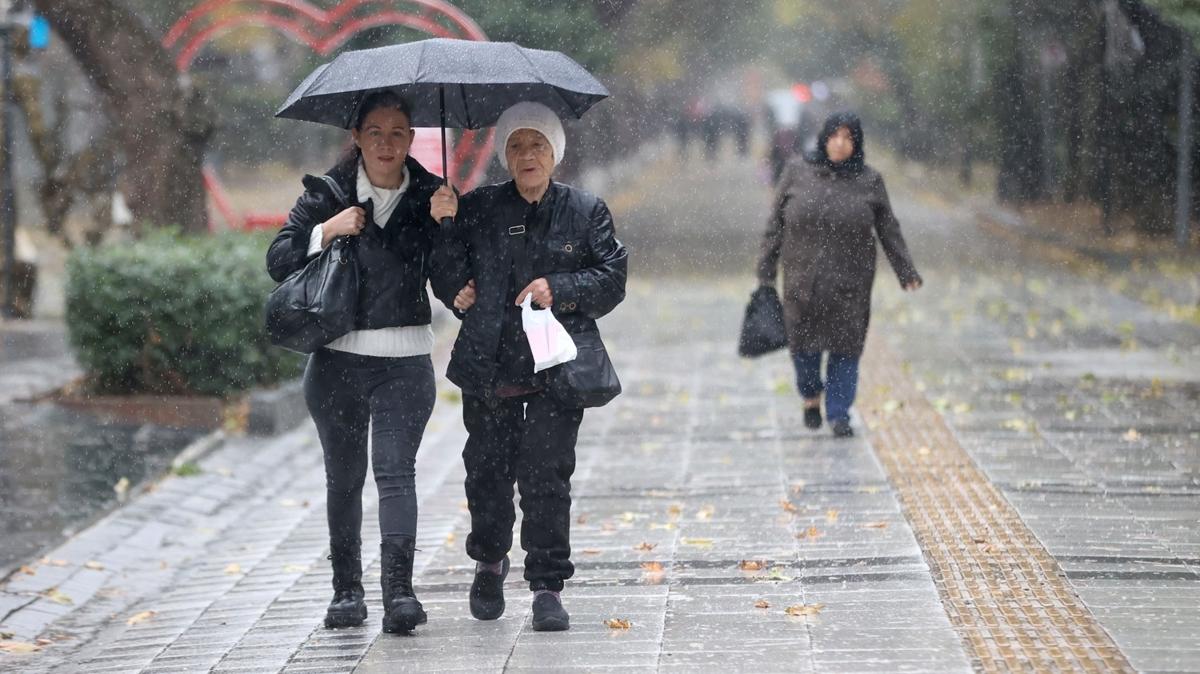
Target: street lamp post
[(1187, 98), (8, 202)]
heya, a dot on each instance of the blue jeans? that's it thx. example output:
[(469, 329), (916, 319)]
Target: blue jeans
[(840, 385)]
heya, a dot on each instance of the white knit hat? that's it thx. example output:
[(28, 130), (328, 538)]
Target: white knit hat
[(530, 115)]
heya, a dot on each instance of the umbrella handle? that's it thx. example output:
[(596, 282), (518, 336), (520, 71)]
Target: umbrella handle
[(447, 222)]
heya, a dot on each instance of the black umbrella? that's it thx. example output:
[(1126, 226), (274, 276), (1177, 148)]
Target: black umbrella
[(459, 83)]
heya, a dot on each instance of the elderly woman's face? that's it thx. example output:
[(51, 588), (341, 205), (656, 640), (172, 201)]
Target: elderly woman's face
[(530, 158), (840, 145), (384, 140)]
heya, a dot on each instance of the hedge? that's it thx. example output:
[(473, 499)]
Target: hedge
[(174, 314)]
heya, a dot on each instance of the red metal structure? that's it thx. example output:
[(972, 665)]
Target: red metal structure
[(325, 31)]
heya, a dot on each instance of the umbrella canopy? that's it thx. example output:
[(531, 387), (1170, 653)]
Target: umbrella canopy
[(458, 83)]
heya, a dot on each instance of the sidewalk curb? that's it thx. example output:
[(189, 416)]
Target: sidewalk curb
[(199, 449)]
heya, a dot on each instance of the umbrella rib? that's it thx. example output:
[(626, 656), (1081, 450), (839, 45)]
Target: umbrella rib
[(462, 94)]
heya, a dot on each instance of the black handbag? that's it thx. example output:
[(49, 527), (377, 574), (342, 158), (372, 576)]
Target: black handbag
[(763, 329), (317, 304), (587, 381)]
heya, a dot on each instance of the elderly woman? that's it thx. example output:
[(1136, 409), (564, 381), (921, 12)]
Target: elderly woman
[(379, 376), (828, 211), (527, 236)]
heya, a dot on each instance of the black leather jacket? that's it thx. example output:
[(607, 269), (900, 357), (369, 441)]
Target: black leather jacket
[(577, 252), (394, 261)]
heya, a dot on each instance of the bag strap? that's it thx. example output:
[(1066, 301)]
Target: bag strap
[(518, 238), (342, 200)]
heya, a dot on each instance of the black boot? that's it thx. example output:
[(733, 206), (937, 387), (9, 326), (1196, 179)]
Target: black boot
[(548, 613), (347, 608), (401, 610), (487, 593)]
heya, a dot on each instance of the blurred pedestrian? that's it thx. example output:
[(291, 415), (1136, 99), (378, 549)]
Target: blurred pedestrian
[(829, 209), (378, 376), (527, 236)]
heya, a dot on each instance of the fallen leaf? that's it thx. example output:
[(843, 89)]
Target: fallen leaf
[(5, 636), (645, 547), (892, 405), (787, 505), (43, 642), (28, 570), (121, 489), (811, 532), (18, 647), (777, 574), (752, 565), (706, 513), (233, 569), (450, 538), (652, 567), (762, 603), (628, 516), (94, 566), (804, 609), (669, 526), (618, 623), (582, 519), (591, 551), (289, 503), (141, 617), (698, 542), (875, 525), (831, 515), (924, 451), (798, 487), (608, 526), (674, 511), (55, 595), (294, 568), (1131, 435), (53, 562)]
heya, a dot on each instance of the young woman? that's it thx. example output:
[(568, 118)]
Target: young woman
[(379, 376)]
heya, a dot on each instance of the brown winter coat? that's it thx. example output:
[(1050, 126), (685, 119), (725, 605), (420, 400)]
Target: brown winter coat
[(822, 228)]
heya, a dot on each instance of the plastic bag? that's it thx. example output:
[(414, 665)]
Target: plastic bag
[(549, 341)]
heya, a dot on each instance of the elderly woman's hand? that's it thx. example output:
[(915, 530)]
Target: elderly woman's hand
[(443, 203), (540, 289), (465, 299), (915, 284)]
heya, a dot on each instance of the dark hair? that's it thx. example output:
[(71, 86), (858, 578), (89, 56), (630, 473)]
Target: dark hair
[(857, 161), (381, 99), (370, 103)]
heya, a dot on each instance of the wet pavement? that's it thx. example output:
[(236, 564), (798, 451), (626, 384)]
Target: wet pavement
[(58, 468), (726, 535)]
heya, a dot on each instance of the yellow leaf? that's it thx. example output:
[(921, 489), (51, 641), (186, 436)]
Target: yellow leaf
[(892, 405), (698, 542), (762, 603), (618, 623), (450, 538), (811, 532), (18, 647), (1131, 435), (674, 511), (56, 596), (804, 609), (94, 566), (141, 617), (233, 569), (706, 513), (831, 515)]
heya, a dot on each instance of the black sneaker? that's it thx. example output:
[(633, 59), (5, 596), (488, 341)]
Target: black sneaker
[(841, 429), (549, 614), (812, 417), (487, 593)]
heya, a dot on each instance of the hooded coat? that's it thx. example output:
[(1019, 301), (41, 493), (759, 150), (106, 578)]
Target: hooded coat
[(823, 226)]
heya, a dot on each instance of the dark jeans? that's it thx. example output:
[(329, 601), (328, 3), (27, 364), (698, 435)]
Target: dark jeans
[(840, 386), (529, 440), (347, 394)]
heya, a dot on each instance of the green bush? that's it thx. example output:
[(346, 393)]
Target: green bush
[(174, 314)]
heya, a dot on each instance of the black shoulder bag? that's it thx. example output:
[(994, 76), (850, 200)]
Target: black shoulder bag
[(317, 304)]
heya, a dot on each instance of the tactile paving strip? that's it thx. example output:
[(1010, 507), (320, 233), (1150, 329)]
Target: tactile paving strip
[(1002, 590)]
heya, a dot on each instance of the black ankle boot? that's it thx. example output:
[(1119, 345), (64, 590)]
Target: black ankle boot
[(401, 610), (487, 593), (347, 608), (548, 613)]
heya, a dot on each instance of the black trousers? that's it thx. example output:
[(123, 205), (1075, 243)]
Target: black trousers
[(527, 440), (349, 394)]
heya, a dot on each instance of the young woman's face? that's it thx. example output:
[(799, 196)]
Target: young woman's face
[(840, 145), (384, 139), (530, 159)]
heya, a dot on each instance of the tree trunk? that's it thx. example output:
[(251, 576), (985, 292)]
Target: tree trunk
[(162, 124)]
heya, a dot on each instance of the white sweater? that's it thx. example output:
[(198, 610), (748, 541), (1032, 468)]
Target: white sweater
[(398, 342)]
